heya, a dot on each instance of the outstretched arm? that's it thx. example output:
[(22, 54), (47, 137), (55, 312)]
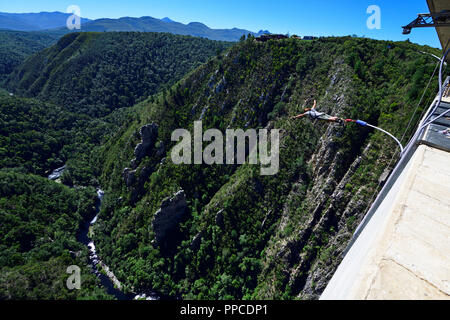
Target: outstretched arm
[(299, 116)]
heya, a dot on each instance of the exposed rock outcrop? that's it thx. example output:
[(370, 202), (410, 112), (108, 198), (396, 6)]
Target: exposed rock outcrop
[(167, 219), (219, 218), (196, 242), (149, 134), (129, 176), (221, 85)]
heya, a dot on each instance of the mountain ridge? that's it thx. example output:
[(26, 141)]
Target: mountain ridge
[(49, 72), (150, 24), (56, 21), (35, 21)]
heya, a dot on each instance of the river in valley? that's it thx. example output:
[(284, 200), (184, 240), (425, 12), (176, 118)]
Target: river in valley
[(107, 278), (95, 263), (57, 173)]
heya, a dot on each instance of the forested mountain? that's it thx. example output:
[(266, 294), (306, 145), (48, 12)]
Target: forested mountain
[(96, 73), (16, 46), (34, 21), (40, 219), (115, 71), (229, 232)]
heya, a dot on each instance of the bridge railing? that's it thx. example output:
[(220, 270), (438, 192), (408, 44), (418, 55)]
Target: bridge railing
[(406, 156)]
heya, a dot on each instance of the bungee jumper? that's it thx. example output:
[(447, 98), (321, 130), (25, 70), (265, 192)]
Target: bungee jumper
[(313, 114)]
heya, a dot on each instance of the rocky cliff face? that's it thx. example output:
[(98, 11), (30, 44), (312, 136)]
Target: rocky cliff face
[(149, 133), (135, 176), (328, 206)]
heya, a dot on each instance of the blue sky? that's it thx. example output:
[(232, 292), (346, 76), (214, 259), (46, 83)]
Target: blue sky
[(317, 18)]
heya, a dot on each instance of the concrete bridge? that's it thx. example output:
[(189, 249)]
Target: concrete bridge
[(401, 250), (404, 250)]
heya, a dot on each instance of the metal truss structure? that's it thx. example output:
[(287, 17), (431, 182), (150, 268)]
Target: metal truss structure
[(441, 19)]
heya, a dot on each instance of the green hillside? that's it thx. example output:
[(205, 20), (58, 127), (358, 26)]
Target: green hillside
[(96, 73), (33, 133), (63, 125), (16, 46), (246, 235), (41, 219), (38, 137)]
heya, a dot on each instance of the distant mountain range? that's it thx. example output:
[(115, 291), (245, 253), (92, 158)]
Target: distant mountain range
[(57, 21), (34, 21)]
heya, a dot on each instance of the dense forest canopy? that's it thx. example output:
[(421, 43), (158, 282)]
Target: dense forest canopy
[(39, 221), (16, 46), (32, 134), (115, 70), (96, 73), (37, 137)]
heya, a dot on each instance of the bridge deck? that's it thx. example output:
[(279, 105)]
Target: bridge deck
[(404, 251)]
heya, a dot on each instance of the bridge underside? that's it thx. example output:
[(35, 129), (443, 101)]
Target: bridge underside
[(437, 6)]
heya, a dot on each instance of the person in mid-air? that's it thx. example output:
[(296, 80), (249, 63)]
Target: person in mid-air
[(313, 114)]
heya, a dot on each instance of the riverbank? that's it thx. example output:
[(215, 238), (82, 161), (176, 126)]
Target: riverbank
[(107, 278)]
